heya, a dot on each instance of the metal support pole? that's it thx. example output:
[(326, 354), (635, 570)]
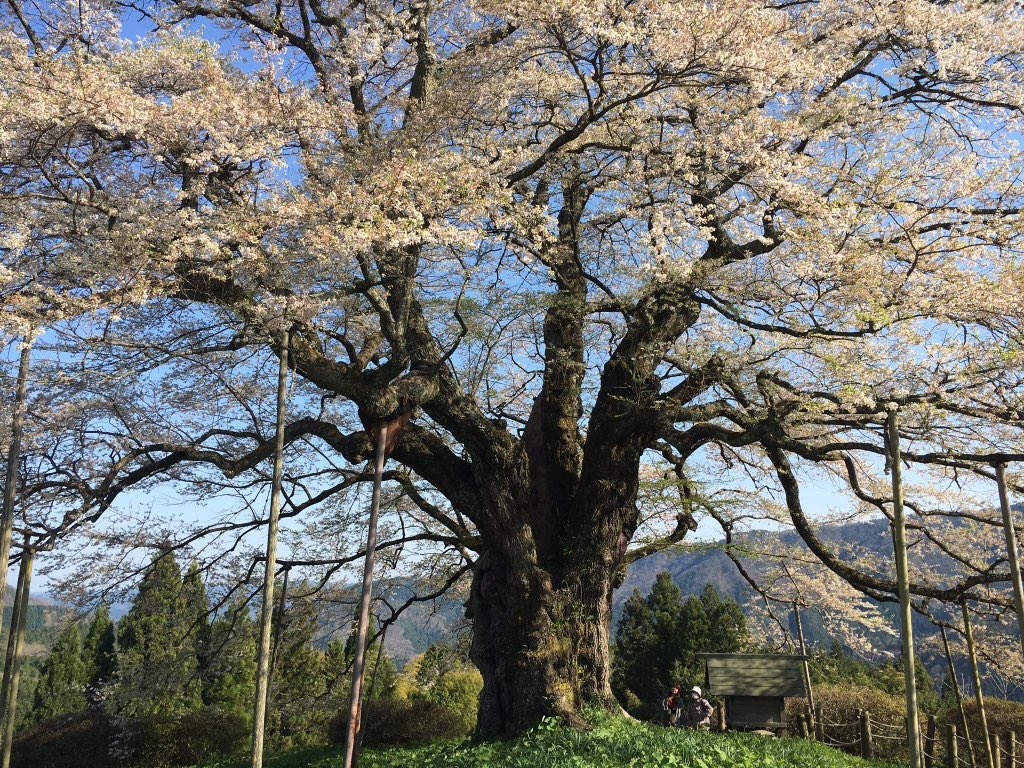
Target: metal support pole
[(13, 458), (959, 696), (1011, 550), (362, 628), (979, 696), (903, 580), (11, 684), (267, 605)]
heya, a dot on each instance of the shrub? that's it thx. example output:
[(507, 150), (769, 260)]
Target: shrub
[(841, 703), (162, 741), (77, 740), (1001, 716), (91, 740), (397, 722)]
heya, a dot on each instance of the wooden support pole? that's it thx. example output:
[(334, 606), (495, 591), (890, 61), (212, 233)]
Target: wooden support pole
[(803, 652), (978, 694), (13, 459), (1011, 749), (819, 726), (802, 726), (993, 744), (11, 683), (259, 719), (867, 747), (722, 726), (362, 628), (903, 581), (959, 696), (1011, 550)]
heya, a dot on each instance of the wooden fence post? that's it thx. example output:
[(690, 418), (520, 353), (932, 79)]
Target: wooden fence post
[(1011, 749), (819, 727), (952, 747), (867, 747), (721, 717), (993, 742), (929, 742), (801, 724)]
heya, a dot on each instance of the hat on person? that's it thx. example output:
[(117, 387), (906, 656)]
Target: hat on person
[(695, 689)]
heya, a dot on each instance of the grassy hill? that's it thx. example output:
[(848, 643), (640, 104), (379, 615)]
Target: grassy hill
[(613, 743)]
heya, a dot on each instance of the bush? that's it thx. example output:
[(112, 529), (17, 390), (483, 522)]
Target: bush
[(78, 740), (162, 741), (91, 740), (398, 722), (841, 703), (1001, 716)]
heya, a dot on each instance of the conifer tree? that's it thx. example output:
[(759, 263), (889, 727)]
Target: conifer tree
[(157, 663), (62, 679), (197, 614), (660, 638), (99, 650), (230, 674)]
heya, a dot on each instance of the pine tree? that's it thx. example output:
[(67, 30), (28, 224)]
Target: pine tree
[(62, 679), (298, 709), (156, 660), (197, 614), (99, 651), (660, 638), (230, 674)]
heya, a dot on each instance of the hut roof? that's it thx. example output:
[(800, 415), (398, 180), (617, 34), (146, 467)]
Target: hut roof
[(752, 674)]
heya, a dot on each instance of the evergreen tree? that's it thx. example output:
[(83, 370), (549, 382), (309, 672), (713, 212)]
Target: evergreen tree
[(156, 662), (197, 614), (230, 674), (62, 679), (99, 651), (659, 638), (299, 707)]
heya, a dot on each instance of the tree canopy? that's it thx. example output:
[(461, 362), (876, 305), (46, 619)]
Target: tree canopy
[(622, 256)]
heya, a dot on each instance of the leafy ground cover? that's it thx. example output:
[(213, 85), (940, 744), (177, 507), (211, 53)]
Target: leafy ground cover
[(613, 743)]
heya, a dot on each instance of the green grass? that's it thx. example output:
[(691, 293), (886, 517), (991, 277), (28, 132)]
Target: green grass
[(612, 743)]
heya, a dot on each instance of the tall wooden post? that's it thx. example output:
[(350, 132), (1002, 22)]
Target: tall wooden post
[(10, 687), (363, 626), (1011, 550), (903, 582), (959, 697), (803, 652), (979, 696), (13, 459), (267, 605), (929, 742), (952, 747)]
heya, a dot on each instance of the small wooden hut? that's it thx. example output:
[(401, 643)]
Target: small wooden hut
[(755, 687)]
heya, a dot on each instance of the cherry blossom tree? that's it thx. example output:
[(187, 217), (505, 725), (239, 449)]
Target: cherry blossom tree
[(593, 243)]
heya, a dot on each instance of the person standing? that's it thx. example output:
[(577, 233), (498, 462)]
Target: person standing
[(698, 711), (672, 706)]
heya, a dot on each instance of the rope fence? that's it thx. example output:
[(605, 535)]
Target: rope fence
[(942, 745)]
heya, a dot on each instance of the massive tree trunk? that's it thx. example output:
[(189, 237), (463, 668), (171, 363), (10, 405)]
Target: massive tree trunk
[(540, 641)]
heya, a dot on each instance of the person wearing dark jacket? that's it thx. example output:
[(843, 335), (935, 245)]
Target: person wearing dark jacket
[(673, 707), (698, 711)]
